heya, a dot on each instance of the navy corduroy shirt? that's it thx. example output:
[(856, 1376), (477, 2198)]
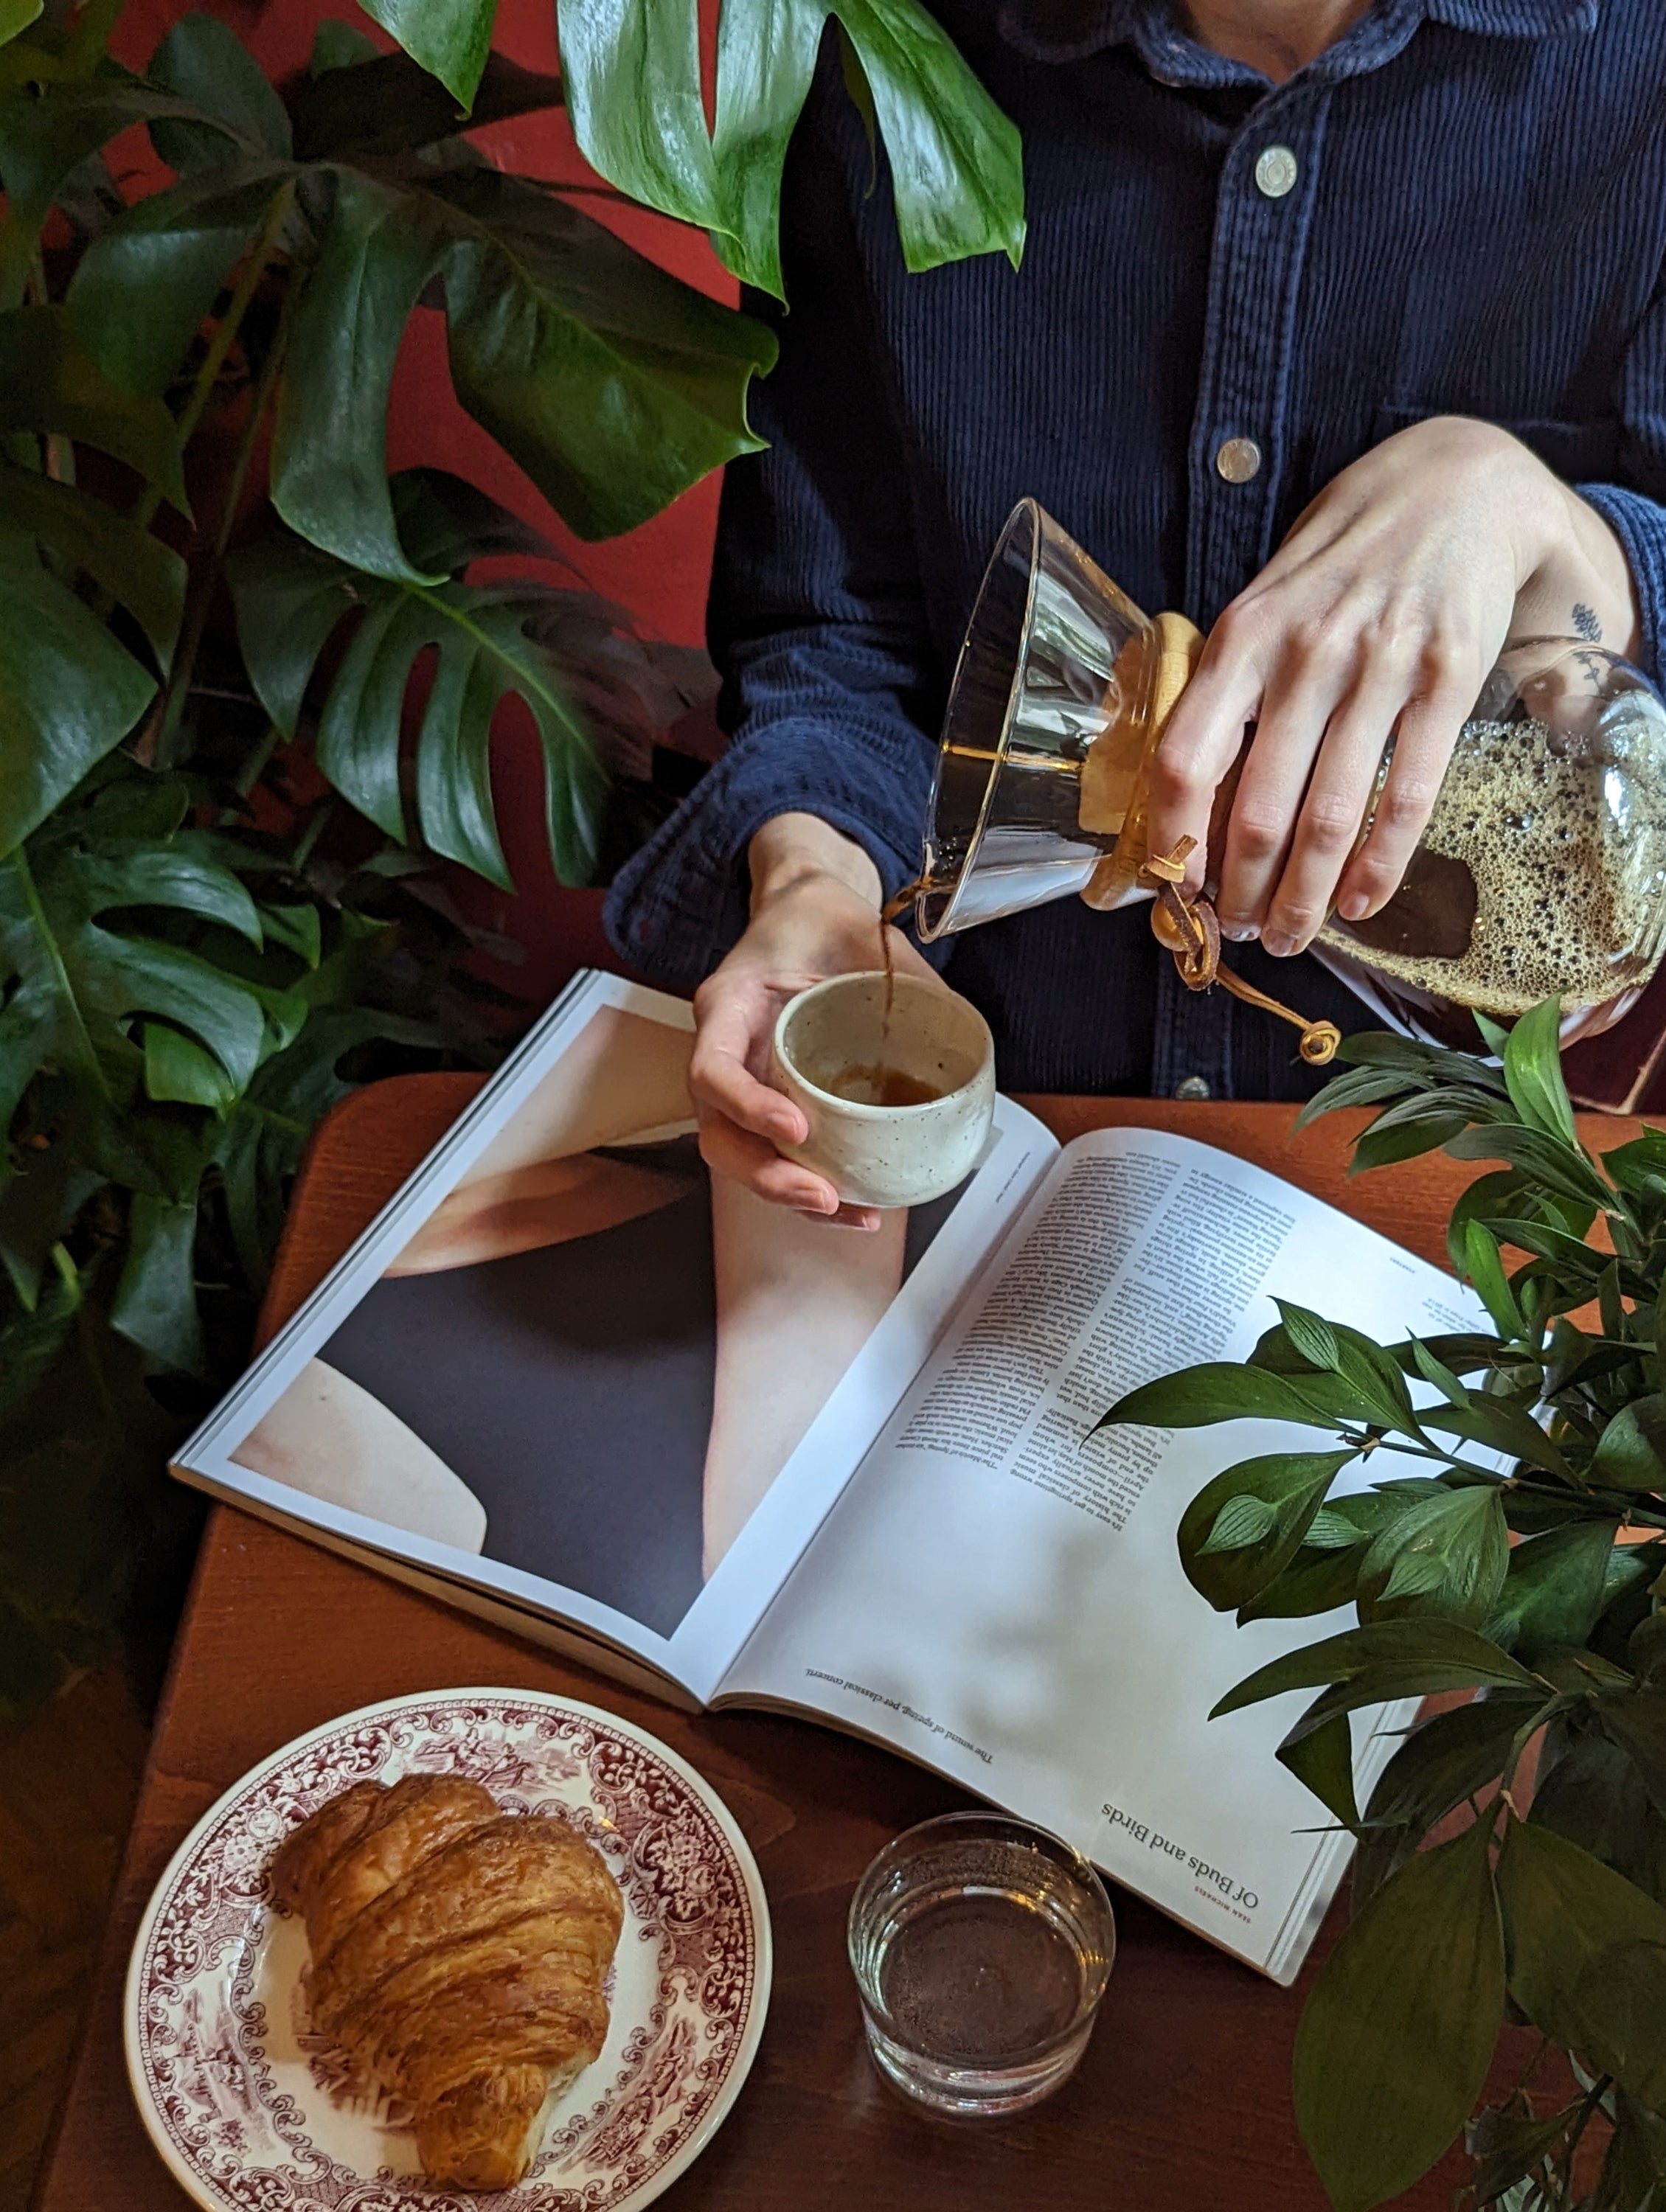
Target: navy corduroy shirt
[(1460, 208)]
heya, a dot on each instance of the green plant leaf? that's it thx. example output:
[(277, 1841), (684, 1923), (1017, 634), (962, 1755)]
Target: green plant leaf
[(1412, 1658), (16, 16), (1437, 1372), (956, 162), (632, 73), (141, 290), (156, 1301), (1510, 2146), (1503, 1426), (179, 1069), (69, 692), (86, 538), (1446, 1556), (1631, 1453), (1198, 1397), (450, 39), (1440, 1762), (1287, 1489), (1544, 1159), (613, 386), (1636, 1721), (290, 599), (202, 61), (49, 382), (1398, 2033), (1633, 2177), (1587, 1953), (1485, 1270), (338, 45), (378, 104), (1322, 1760), (44, 140), (1555, 1589), (1241, 1521), (1533, 1074)]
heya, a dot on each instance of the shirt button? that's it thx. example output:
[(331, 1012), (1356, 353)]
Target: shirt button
[(1276, 172), (1239, 459), (1191, 1086)]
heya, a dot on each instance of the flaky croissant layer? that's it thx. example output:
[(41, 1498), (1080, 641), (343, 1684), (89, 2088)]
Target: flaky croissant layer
[(459, 1956)]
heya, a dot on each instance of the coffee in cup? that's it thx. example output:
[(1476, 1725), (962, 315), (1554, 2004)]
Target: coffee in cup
[(896, 1076)]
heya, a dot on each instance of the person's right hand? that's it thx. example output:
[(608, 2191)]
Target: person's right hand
[(816, 897)]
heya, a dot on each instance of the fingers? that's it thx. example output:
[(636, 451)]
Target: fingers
[(1202, 740), (735, 1152), (1428, 730), (1327, 817), (732, 1026)]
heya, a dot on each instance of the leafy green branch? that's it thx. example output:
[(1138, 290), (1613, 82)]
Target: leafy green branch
[(1526, 1568)]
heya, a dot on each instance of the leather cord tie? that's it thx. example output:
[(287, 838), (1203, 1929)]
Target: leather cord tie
[(1187, 928)]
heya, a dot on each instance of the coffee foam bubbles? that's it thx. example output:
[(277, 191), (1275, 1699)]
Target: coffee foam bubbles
[(1568, 860)]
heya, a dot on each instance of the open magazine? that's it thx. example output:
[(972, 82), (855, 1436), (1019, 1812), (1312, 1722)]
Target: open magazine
[(568, 1382)]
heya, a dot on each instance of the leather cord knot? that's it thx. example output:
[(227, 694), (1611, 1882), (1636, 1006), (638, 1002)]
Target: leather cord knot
[(1187, 928)]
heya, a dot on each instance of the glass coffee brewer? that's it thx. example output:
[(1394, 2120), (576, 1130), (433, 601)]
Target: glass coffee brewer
[(1542, 869)]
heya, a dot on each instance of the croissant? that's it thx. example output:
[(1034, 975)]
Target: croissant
[(459, 1956)]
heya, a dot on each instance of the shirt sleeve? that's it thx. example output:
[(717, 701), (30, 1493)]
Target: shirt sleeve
[(1634, 508), (831, 685)]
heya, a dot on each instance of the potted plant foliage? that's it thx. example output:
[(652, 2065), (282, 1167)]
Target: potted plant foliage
[(249, 683), (1527, 1565)]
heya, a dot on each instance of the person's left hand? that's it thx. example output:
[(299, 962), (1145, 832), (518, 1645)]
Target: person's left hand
[(1381, 615)]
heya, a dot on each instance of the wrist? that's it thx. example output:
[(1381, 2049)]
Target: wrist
[(794, 851)]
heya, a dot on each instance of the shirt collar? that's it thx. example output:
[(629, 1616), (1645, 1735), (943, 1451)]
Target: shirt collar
[(1070, 30)]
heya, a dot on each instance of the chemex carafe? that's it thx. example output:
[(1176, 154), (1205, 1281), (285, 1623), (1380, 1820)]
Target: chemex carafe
[(1542, 871)]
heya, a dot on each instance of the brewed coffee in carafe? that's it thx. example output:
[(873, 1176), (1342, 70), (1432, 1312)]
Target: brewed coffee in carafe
[(1542, 870)]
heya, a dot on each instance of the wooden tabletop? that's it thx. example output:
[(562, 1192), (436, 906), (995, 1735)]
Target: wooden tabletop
[(1182, 2103)]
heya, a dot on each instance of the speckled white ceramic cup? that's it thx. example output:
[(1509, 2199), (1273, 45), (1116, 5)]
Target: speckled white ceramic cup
[(887, 1156)]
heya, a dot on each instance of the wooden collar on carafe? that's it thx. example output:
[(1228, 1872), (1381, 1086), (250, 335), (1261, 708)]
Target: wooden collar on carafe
[(1186, 927)]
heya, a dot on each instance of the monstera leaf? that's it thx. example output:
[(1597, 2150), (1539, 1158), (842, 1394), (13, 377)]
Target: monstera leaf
[(633, 78), (291, 598)]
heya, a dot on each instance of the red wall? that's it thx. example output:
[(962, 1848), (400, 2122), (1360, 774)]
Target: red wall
[(660, 572)]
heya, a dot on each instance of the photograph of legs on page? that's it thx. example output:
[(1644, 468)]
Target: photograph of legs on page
[(590, 1361)]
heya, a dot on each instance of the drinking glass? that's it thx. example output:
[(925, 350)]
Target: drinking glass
[(982, 1947)]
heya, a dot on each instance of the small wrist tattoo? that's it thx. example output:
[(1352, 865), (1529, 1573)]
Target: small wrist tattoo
[(1586, 622)]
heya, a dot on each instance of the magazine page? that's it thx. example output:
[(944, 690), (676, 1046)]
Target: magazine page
[(562, 1370), (998, 1592)]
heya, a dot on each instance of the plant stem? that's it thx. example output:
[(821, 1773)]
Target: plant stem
[(225, 336), (207, 575)]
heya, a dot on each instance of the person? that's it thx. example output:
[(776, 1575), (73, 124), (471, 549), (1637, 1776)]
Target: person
[(1339, 328)]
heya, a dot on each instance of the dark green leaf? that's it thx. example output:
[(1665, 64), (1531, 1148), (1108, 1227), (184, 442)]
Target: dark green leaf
[(1397, 2035), (1441, 1762), (16, 16), (49, 382), (1434, 1371), (1197, 1397), (179, 1069), (1502, 1193), (956, 160), (1533, 1074), (1587, 1953), (1631, 1453), (1587, 1791), (89, 538), (140, 291), (632, 72), (1313, 1582), (1503, 1427), (290, 599), (204, 62), (372, 103), (450, 39), (1286, 1489), (1636, 1721), (1398, 1658), (1485, 1270), (1634, 1167), (1509, 2147), (44, 140), (338, 45), (1633, 2177), (1447, 1555), (1404, 1141), (1564, 1172), (156, 1301), (1240, 1522), (69, 693), (1321, 1759), (1555, 1590)]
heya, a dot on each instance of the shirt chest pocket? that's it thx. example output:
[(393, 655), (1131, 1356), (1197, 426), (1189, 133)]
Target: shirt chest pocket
[(1577, 452)]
